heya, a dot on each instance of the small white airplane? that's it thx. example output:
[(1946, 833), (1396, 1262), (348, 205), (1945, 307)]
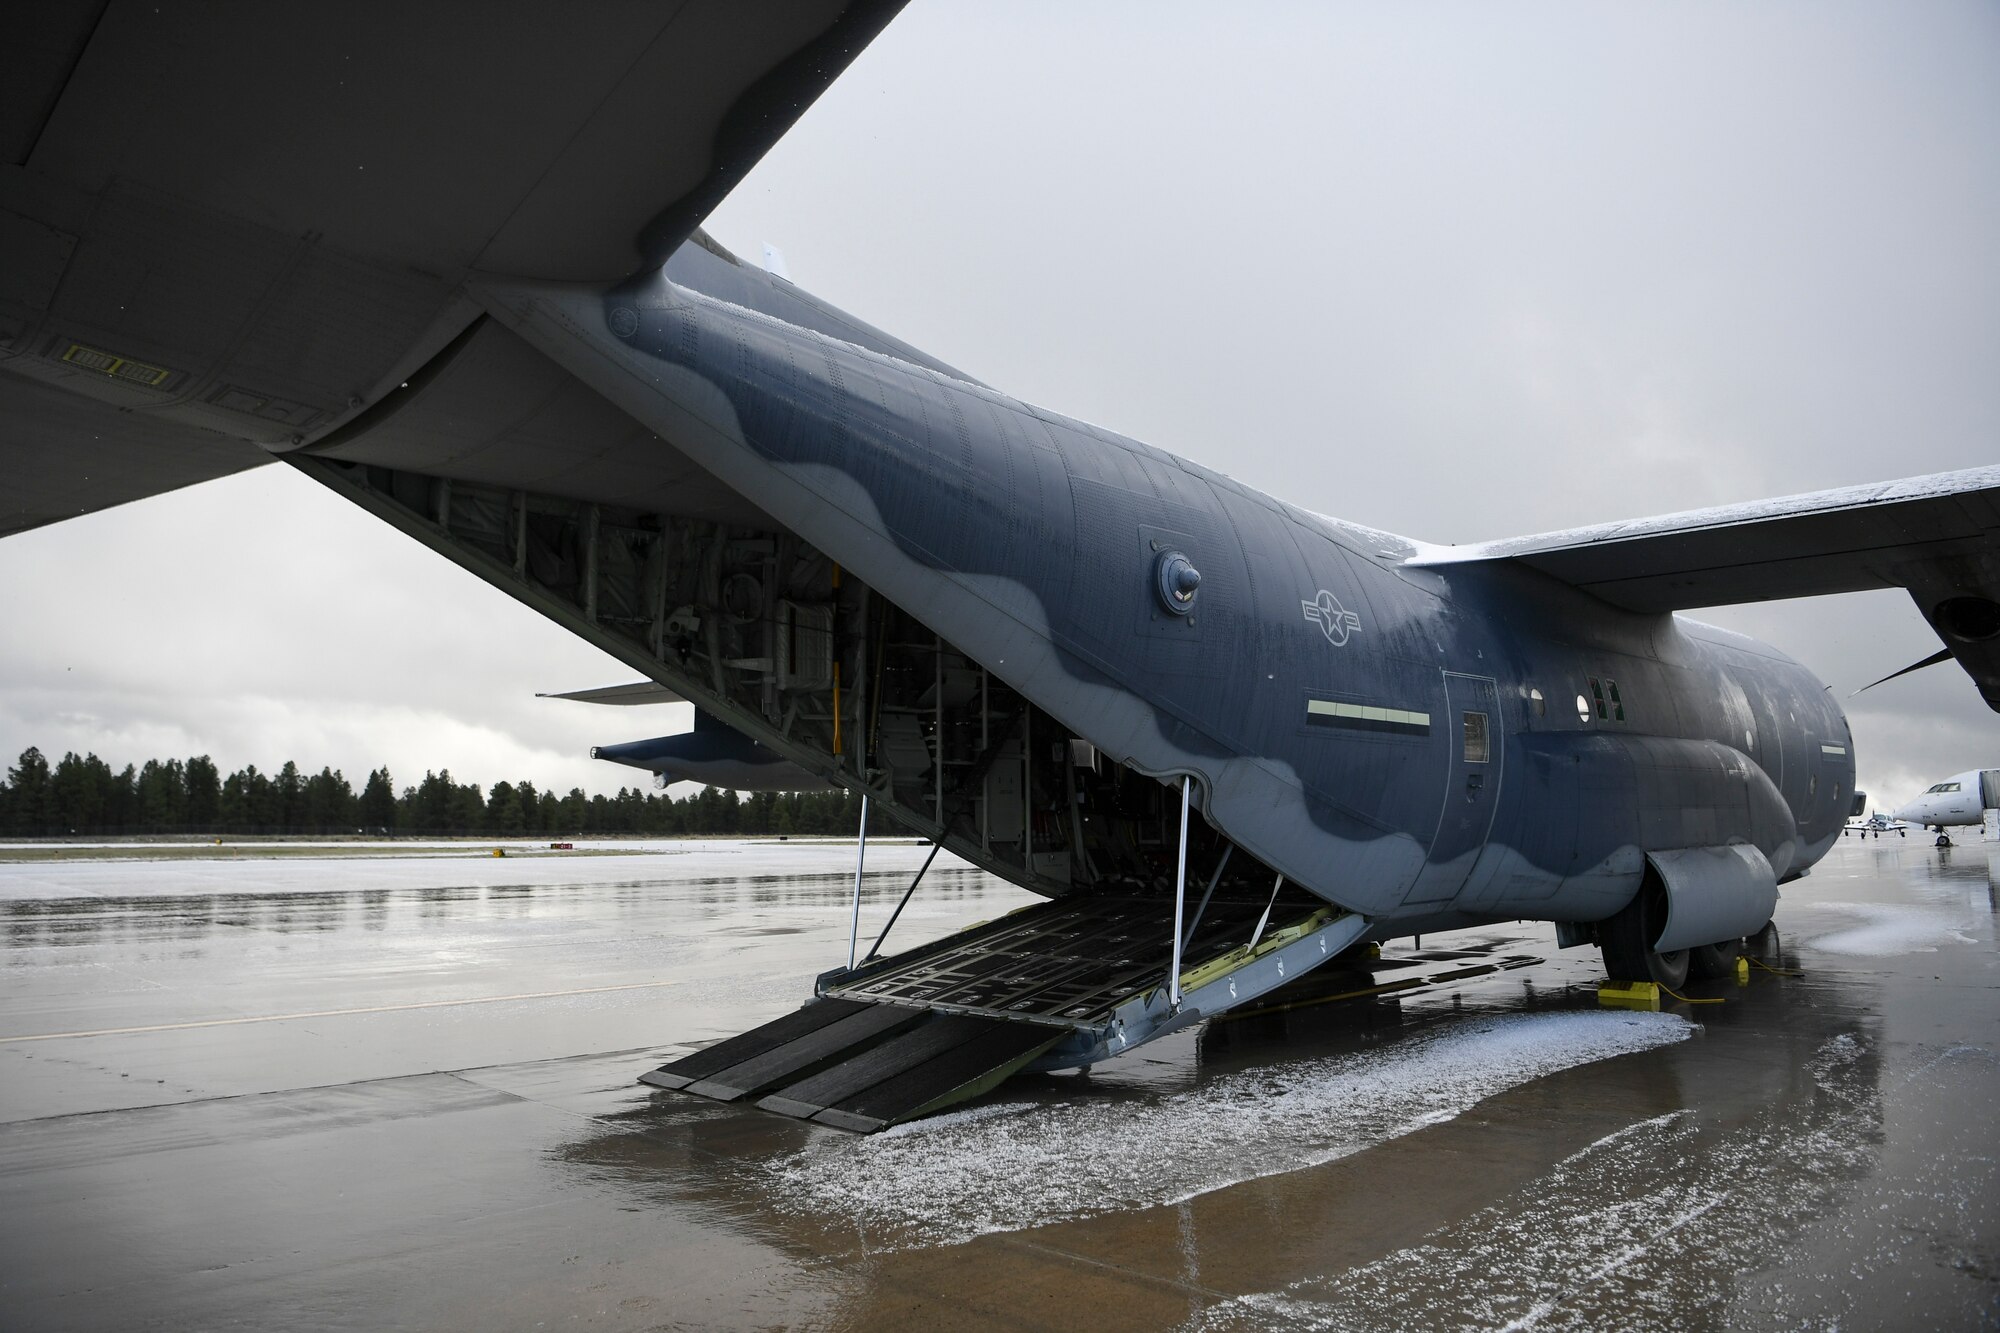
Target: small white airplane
[(1963, 798), (1877, 824)]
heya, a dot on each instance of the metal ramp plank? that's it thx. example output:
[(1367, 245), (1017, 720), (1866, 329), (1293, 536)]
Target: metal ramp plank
[(1072, 960), (744, 1046), (898, 1055), (804, 1055), (965, 1071), (906, 1036)]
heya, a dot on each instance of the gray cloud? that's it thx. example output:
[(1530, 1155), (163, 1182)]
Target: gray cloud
[(261, 618), (1457, 270)]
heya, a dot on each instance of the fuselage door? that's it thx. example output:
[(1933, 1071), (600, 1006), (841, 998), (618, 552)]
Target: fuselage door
[(1472, 786)]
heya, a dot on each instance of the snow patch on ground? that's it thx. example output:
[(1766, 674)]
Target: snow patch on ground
[(1888, 930), (1014, 1166), (1625, 1233)]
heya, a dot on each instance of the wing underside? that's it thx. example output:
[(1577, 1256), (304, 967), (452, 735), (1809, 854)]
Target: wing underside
[(231, 230)]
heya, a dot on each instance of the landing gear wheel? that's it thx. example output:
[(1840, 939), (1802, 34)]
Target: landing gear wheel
[(1711, 962), (1626, 940), (1764, 944), (1943, 840)]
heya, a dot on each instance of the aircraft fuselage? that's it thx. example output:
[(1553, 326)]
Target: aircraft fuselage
[(1407, 743), (1960, 799)]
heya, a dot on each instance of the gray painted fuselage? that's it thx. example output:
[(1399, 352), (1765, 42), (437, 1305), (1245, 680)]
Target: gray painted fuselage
[(1318, 694)]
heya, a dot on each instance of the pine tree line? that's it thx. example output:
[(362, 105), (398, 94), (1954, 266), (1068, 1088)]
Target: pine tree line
[(85, 797)]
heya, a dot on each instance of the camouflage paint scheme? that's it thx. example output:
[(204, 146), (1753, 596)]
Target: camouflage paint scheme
[(1033, 543)]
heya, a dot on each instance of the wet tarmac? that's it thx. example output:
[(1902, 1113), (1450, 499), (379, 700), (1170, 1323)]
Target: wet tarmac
[(400, 1093)]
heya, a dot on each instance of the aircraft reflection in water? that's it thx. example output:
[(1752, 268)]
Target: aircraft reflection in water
[(1225, 737)]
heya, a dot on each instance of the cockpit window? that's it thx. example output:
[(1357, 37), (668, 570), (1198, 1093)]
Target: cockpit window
[(1943, 786)]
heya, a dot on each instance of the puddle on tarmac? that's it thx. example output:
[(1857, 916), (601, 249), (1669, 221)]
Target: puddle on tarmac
[(1889, 929)]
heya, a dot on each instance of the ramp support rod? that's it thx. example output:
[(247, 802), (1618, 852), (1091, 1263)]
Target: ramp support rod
[(1213, 880), (1265, 919), (877, 948), (860, 856), (1180, 902)]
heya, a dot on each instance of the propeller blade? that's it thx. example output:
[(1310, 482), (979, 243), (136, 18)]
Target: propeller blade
[(1941, 655), (638, 692)]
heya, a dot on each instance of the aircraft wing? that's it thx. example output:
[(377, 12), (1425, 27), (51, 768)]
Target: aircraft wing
[(234, 230), (1936, 536)]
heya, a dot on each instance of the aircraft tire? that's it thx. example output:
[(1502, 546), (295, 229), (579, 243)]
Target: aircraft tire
[(1626, 940), (1765, 943), (1710, 962)]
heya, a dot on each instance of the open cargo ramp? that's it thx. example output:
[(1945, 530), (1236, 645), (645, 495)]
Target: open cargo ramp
[(857, 1065), (1052, 986)]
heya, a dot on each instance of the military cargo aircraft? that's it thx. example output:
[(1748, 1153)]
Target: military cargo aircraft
[(456, 275), (1963, 798)]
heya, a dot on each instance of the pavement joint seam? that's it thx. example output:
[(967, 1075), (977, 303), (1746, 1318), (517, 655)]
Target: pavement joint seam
[(1154, 1279), (328, 1087), (335, 1013)]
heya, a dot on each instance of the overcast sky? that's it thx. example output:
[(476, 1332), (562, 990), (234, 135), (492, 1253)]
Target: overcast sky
[(1462, 271)]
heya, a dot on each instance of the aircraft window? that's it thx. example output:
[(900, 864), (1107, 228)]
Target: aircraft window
[(1541, 704), (1597, 698), (1617, 704), (1476, 747), (1582, 709)]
